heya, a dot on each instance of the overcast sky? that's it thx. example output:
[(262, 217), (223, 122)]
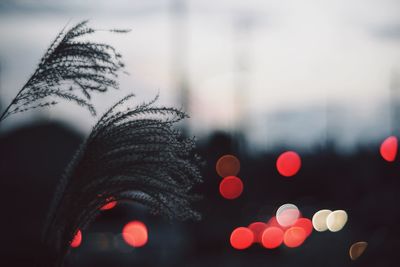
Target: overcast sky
[(273, 68)]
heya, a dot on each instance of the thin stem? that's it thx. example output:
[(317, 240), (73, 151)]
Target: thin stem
[(5, 114)]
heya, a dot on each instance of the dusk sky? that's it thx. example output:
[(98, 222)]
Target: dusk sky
[(284, 71)]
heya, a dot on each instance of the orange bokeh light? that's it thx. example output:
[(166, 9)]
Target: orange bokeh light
[(241, 238), (294, 237), (228, 165), (231, 187), (272, 237), (77, 240), (389, 148), (288, 163), (135, 234), (257, 228), (306, 224)]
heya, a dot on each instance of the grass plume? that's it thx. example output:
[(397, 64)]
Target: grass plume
[(69, 66), (131, 154)]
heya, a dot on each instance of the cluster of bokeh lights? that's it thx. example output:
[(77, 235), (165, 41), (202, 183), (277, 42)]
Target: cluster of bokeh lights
[(134, 233), (286, 228), (326, 219), (231, 186)]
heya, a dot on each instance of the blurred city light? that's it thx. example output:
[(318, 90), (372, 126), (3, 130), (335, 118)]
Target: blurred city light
[(319, 220), (231, 187), (111, 204), (306, 224), (294, 237), (228, 165), (336, 220), (135, 234), (77, 240), (288, 163), (258, 229), (389, 148), (241, 238), (287, 215), (357, 249), (272, 237)]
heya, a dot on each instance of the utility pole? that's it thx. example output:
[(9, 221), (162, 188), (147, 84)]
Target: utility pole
[(0, 85), (394, 103), (243, 25), (179, 54)]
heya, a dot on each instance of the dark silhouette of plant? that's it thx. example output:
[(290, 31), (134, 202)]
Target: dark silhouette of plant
[(132, 154), (67, 66)]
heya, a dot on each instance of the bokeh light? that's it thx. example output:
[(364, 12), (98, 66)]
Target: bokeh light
[(288, 163), (77, 240), (228, 165), (272, 237), (319, 220), (258, 229), (242, 238), (273, 222), (306, 224), (389, 148), (336, 220), (111, 204), (357, 249), (287, 215), (294, 237), (135, 234), (231, 187)]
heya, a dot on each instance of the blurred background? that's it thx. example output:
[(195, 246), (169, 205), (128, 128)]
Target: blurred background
[(257, 78)]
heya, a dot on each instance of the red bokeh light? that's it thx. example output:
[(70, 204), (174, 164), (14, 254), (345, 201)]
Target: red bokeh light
[(111, 204), (273, 222), (77, 240), (294, 237), (272, 237), (306, 224), (135, 234), (241, 238), (389, 148), (257, 228), (288, 163), (228, 165), (231, 187)]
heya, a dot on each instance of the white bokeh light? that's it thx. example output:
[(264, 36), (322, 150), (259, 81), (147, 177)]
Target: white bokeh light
[(287, 215), (336, 220), (319, 220)]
